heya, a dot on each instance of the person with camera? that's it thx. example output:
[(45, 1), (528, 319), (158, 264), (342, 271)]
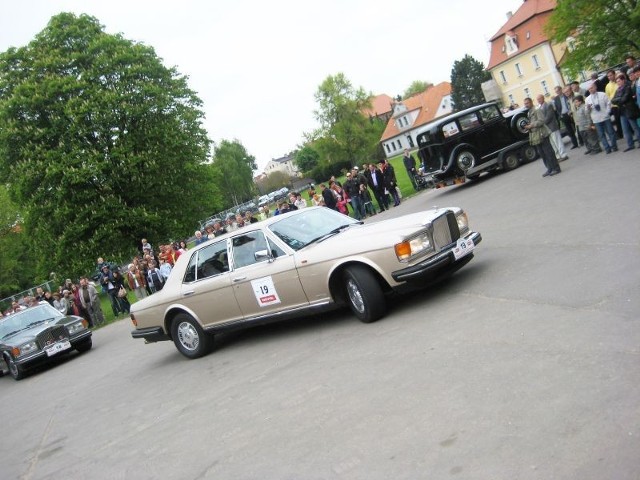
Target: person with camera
[(110, 288), (599, 107)]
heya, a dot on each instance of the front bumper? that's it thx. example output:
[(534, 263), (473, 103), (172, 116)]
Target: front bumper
[(442, 263), (150, 334), (41, 356)]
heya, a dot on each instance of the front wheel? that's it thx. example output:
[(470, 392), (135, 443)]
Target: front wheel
[(15, 370), (364, 294), (84, 346), (189, 338)]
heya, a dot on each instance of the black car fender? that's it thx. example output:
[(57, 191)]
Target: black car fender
[(453, 167)]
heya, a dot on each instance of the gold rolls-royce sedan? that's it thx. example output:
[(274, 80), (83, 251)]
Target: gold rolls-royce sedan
[(296, 264)]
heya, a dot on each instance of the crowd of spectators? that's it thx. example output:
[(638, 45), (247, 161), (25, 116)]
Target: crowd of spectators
[(79, 299), (595, 118), (145, 275)]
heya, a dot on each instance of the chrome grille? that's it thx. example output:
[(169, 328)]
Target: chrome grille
[(445, 230), (50, 336)]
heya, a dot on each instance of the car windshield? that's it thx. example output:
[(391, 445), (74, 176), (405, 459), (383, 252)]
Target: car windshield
[(30, 317), (310, 225)]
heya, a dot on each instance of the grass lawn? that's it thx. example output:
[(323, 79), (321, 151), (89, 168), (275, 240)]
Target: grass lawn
[(105, 303)]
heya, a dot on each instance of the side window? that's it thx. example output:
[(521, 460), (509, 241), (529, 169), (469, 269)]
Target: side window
[(450, 129), (489, 113), (190, 273), (213, 260), (245, 248), (469, 121)]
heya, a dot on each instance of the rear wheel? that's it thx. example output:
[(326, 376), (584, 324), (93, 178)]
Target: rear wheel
[(529, 153), (465, 160), (15, 370), (364, 294), (189, 338), (511, 161)]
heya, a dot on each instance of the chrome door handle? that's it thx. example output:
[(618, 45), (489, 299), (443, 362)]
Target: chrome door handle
[(188, 292), (239, 279)]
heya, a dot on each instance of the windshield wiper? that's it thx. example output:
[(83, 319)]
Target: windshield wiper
[(12, 333), (39, 322), (330, 233)]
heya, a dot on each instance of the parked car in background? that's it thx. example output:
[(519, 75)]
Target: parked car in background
[(37, 334), (476, 140), (295, 264)]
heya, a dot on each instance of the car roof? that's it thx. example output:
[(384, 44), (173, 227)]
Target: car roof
[(436, 123)]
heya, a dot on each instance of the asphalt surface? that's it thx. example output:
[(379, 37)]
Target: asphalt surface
[(523, 365)]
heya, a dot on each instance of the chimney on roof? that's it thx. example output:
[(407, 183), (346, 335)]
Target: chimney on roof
[(509, 15)]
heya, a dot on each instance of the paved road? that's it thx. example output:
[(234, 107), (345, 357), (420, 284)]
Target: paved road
[(524, 365)]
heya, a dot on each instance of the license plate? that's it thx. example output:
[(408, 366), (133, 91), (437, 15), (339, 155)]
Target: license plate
[(463, 247), (58, 347)]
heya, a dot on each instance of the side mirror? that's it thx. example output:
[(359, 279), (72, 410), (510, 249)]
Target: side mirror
[(262, 255)]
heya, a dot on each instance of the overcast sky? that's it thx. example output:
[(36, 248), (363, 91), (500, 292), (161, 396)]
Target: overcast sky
[(257, 64)]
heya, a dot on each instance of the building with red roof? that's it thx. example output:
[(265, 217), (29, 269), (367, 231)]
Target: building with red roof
[(523, 60), (381, 107), (413, 113)]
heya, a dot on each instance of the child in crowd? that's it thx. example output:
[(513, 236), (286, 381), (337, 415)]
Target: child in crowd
[(341, 204), (369, 209), (586, 128)]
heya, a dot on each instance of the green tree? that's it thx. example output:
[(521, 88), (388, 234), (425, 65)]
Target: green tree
[(345, 134), (467, 76), (307, 158), (417, 86), (235, 168), (275, 181), (603, 32), (100, 144), (16, 265)]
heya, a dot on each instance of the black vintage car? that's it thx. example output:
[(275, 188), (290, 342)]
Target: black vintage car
[(473, 141), (36, 334)]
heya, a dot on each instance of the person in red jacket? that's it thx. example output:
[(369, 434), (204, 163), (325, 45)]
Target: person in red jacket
[(136, 281), (171, 254)]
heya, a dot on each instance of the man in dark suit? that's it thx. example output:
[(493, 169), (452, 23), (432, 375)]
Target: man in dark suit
[(375, 179), (551, 121), (410, 165), (563, 108)]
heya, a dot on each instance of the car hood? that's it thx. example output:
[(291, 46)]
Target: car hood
[(371, 236)]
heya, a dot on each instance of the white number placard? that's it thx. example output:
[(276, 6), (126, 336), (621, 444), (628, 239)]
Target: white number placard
[(463, 247), (265, 291), (58, 347)]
